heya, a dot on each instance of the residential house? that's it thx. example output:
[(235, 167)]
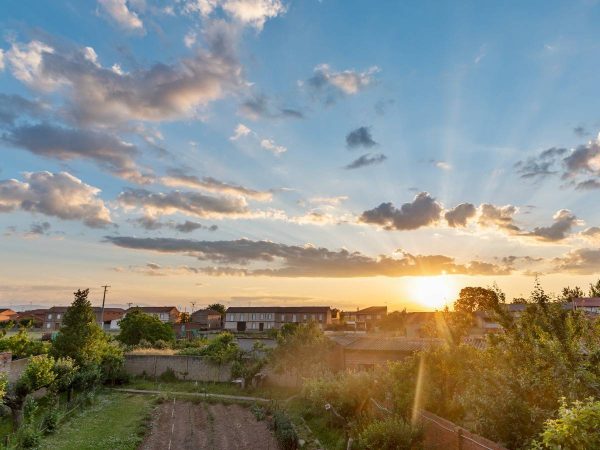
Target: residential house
[(367, 352), (167, 314), (207, 318), (7, 314), (365, 318), (589, 305), (36, 316), (54, 317), (260, 318)]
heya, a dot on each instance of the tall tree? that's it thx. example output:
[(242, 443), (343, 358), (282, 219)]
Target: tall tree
[(80, 337), (220, 308), (595, 289), (568, 293)]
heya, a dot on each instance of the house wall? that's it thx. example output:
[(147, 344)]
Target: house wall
[(193, 368)]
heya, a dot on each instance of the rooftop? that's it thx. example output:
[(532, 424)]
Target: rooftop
[(278, 309)]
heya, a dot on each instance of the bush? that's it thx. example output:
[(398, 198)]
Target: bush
[(50, 421), (284, 431), (87, 377), (28, 437), (392, 433), (577, 426), (161, 344), (347, 393), (168, 375)]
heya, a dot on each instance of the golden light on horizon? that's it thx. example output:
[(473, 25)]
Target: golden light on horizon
[(433, 292)]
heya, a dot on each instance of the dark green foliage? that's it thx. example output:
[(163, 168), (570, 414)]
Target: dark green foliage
[(222, 349), (392, 433), (50, 421), (394, 321), (29, 437), (80, 337), (137, 326), (284, 431), (168, 375), (220, 308)]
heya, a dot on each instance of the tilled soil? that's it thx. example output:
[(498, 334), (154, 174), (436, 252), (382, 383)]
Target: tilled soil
[(183, 425)]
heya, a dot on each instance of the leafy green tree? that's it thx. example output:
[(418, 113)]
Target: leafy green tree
[(222, 349), (577, 427), (137, 326), (80, 337), (185, 317)]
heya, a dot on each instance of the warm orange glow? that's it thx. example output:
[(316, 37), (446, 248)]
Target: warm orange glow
[(433, 292)]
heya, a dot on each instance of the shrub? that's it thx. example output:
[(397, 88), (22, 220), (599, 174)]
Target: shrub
[(50, 421), (168, 375), (284, 431), (391, 433), (87, 377), (137, 326), (28, 437), (161, 344), (577, 426)]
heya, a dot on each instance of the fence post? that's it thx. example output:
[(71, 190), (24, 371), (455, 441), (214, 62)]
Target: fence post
[(459, 434)]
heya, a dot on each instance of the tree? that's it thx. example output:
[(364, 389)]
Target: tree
[(185, 317), (80, 336), (595, 289), (38, 374), (394, 321), (220, 308), (568, 294), (137, 325)]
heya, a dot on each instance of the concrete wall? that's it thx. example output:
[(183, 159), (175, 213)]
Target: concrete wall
[(193, 368), (441, 433)]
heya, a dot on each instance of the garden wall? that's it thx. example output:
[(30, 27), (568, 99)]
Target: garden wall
[(194, 368), (441, 433)]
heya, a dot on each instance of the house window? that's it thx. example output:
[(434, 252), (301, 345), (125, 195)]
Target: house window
[(283, 317), (229, 317), (262, 316), (58, 317), (305, 316), (253, 316), (293, 317), (49, 316), (48, 325), (320, 317)]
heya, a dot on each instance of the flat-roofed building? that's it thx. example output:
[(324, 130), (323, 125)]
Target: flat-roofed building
[(262, 318)]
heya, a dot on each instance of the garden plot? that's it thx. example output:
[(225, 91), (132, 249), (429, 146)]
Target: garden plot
[(185, 425)]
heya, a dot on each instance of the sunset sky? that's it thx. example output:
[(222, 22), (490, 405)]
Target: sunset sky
[(346, 153)]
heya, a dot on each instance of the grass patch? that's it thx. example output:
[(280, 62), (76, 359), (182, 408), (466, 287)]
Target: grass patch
[(273, 392), (115, 421)]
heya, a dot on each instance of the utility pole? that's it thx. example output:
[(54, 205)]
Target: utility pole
[(102, 310), (193, 306)]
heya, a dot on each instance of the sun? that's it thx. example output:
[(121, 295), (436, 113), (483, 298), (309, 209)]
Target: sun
[(434, 292)]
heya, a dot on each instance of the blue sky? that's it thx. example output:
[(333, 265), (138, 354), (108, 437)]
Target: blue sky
[(303, 152)]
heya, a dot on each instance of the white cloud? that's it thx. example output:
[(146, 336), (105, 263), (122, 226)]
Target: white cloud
[(269, 144), (55, 194), (1, 60), (248, 12), (90, 54), (240, 131), (120, 13), (443, 165), (26, 65), (190, 39)]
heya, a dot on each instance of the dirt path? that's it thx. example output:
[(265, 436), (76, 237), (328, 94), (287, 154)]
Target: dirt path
[(183, 425)]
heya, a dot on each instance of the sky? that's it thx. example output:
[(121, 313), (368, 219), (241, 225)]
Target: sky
[(257, 152)]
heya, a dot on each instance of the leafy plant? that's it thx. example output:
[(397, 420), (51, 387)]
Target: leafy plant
[(138, 327), (392, 433)]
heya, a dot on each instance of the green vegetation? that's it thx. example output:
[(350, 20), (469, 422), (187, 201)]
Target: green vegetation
[(577, 426), (392, 433), (23, 344), (114, 421), (138, 326)]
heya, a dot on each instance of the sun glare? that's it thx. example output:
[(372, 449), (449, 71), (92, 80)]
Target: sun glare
[(433, 292)]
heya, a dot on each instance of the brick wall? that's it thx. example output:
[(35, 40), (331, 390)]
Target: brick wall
[(443, 434), (193, 368)]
